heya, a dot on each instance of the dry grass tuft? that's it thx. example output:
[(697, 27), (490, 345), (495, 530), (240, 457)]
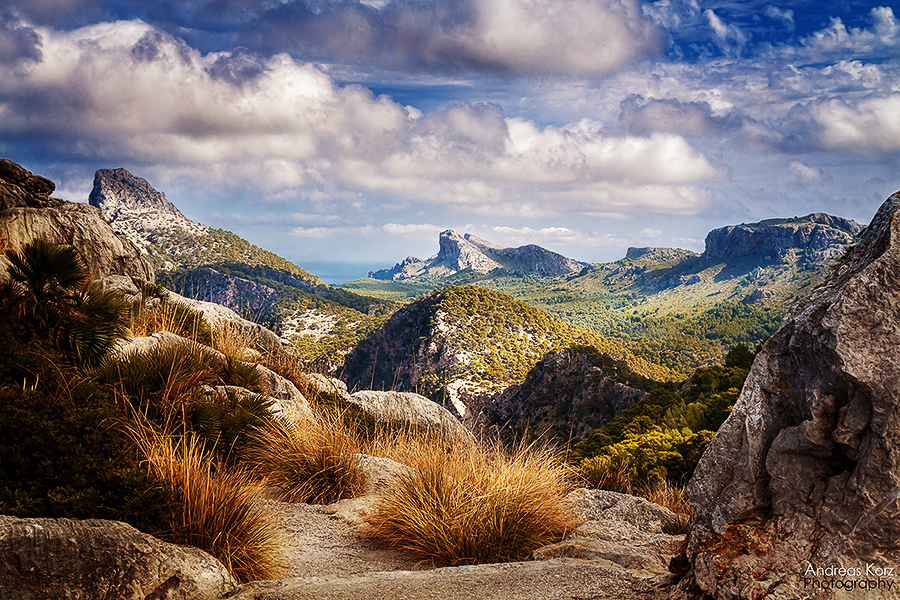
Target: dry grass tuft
[(472, 504), (219, 507), (312, 461), (673, 498)]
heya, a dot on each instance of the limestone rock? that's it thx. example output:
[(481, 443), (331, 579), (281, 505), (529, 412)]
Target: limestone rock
[(623, 529), (806, 469), (219, 318), (460, 252), (409, 408), (28, 212), (50, 559), (379, 472), (816, 234), (322, 385)]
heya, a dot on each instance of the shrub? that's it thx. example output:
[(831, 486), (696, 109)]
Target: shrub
[(309, 461), (219, 510), (475, 505), (605, 473), (62, 452)]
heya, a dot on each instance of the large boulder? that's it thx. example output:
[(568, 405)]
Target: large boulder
[(620, 528), (407, 407), (796, 493), (50, 559), (27, 212)]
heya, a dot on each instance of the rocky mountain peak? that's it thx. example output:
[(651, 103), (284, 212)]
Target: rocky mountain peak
[(28, 212), (821, 236), (461, 252), (117, 190)]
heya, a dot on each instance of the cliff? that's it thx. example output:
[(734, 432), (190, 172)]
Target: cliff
[(806, 469), (819, 236), (27, 212)]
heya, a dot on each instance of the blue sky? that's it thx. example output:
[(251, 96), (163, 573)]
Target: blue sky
[(356, 131)]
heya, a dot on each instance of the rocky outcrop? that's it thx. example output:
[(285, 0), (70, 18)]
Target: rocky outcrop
[(820, 236), (401, 407), (468, 252), (620, 528), (241, 295), (569, 393), (28, 212), (116, 191), (804, 473), (406, 407), (63, 559)]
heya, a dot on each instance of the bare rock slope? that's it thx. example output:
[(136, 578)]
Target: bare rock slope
[(805, 472)]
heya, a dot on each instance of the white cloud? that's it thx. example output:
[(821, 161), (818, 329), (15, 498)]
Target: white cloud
[(411, 228), (885, 33), (786, 16), (726, 36), (571, 36), (804, 173), (870, 125)]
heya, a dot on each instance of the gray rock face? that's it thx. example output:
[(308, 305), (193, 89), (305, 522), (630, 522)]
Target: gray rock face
[(806, 469), (117, 190), (622, 529), (460, 252), (63, 559), (567, 392), (409, 408), (27, 212), (822, 236)]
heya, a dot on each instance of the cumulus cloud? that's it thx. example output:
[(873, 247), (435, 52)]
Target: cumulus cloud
[(642, 116), (803, 173), (728, 37), (507, 36), (838, 38), (275, 124), (868, 126)]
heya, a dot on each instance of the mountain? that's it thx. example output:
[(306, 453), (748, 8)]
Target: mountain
[(467, 252), (218, 266), (566, 395), (461, 345), (674, 307)]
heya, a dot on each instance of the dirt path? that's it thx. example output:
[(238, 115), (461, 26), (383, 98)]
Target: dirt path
[(327, 561)]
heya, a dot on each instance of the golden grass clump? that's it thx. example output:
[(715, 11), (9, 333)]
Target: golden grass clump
[(473, 504), (673, 498), (219, 510), (313, 461)]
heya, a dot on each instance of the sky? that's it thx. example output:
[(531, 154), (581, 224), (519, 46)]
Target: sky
[(346, 135)]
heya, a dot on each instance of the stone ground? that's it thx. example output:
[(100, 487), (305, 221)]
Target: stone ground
[(328, 560)]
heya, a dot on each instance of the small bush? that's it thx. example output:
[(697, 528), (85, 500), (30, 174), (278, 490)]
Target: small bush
[(605, 473), (62, 452), (308, 461), (476, 505), (219, 507)]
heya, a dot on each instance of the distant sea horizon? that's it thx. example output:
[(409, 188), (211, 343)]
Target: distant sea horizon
[(336, 273)]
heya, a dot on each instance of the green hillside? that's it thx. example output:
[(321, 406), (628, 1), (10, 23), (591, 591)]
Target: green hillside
[(483, 336)]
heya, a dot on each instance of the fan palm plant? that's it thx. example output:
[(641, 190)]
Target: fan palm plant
[(49, 289)]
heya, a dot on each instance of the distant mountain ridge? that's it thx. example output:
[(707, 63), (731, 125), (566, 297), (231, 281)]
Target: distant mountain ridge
[(468, 252)]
